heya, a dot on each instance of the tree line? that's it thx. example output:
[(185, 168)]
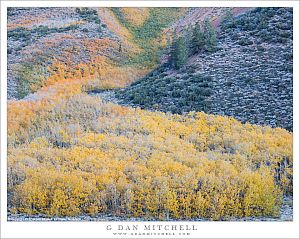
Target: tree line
[(195, 39)]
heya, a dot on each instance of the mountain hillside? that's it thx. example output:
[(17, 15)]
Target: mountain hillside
[(53, 44), (214, 14), (249, 76), (101, 124), (48, 45)]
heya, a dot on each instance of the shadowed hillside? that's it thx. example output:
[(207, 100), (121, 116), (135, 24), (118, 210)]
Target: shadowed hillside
[(248, 77)]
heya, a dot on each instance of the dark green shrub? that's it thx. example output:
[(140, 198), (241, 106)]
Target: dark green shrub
[(29, 77), (88, 14), (245, 42)]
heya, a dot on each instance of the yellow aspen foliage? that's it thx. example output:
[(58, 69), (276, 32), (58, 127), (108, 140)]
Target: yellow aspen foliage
[(79, 155)]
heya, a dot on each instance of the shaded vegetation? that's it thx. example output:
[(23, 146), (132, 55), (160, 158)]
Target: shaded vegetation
[(21, 33), (261, 23), (30, 78), (183, 92), (88, 14), (186, 90), (196, 39)]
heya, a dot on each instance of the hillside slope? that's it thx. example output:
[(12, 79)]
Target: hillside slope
[(84, 156), (249, 77), (75, 154), (53, 43), (47, 45), (214, 14)]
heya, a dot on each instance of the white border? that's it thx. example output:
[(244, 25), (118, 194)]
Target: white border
[(98, 229)]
